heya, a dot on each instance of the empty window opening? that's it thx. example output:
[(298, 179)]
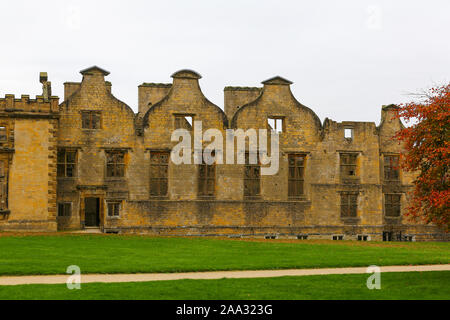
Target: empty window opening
[(159, 166), (392, 205), (348, 133), (276, 124), (66, 163), (183, 121), (362, 238), (302, 237), (115, 164), (64, 209), (206, 179), (348, 165), (90, 119), (296, 174), (349, 204), (113, 209), (3, 185), (271, 236), (338, 237), (391, 168), (252, 177)]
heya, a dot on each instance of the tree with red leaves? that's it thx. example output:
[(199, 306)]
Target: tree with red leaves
[(427, 144)]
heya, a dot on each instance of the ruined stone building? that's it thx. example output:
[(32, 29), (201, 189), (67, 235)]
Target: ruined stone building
[(90, 161)]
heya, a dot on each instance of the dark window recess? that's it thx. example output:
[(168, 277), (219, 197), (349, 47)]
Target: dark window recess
[(3, 136), (64, 209), (183, 121), (159, 165), (252, 176), (296, 173), (349, 204), (113, 209), (206, 179), (362, 238), (66, 163), (391, 168), (392, 205), (270, 237), (348, 165), (115, 164), (90, 120), (302, 237), (338, 237)]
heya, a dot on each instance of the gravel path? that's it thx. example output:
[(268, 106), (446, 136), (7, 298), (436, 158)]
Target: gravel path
[(139, 277)]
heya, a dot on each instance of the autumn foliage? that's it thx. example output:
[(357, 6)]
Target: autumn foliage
[(427, 144)]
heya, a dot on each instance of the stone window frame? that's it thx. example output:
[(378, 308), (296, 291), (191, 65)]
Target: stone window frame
[(276, 118), (91, 122), (348, 204), (115, 165), (159, 178), (344, 166), (391, 206), (65, 163), (298, 179), (66, 207), (350, 129), (178, 119), (3, 133), (249, 179), (116, 206), (4, 173), (388, 165), (203, 181)]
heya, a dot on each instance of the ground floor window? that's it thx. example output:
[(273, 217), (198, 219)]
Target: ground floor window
[(349, 204), (392, 205), (64, 209), (113, 209)]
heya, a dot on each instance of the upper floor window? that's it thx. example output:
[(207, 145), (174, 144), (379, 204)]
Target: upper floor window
[(66, 163), (115, 164), (159, 165), (348, 133), (391, 168), (183, 121), (348, 165), (252, 176), (392, 205), (296, 173), (349, 204), (276, 124), (90, 119)]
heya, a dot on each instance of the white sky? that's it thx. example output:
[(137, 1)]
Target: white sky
[(346, 58)]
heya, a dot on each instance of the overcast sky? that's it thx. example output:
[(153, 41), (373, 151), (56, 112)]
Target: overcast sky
[(346, 58)]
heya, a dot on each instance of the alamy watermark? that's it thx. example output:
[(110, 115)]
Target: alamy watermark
[(374, 281), (73, 281), (259, 150)]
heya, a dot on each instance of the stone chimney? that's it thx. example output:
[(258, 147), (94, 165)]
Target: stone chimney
[(46, 86)]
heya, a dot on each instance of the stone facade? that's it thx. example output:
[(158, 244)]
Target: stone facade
[(93, 162)]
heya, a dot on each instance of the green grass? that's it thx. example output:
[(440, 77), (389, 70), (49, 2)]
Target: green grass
[(405, 285), (21, 255)]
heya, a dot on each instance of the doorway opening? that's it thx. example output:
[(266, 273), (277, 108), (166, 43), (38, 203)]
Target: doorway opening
[(92, 212)]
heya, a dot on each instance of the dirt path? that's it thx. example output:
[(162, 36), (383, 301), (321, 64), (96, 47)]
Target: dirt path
[(55, 279)]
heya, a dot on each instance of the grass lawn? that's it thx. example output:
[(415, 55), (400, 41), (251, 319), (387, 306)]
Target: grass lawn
[(404, 285), (21, 255)]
